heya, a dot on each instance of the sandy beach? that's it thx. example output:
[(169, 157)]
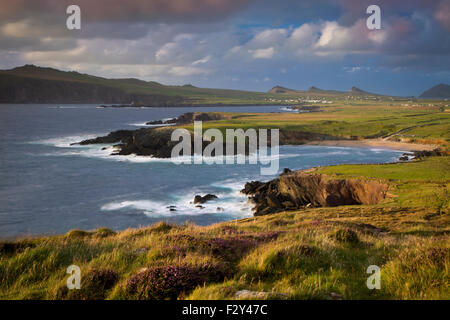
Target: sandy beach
[(374, 143)]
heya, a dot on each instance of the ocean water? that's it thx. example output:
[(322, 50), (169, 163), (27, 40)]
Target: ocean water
[(50, 187)]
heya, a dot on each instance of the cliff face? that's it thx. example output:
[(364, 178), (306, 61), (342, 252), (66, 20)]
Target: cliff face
[(295, 190)]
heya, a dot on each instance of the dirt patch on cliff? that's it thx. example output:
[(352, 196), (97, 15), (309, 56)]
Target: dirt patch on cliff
[(295, 190)]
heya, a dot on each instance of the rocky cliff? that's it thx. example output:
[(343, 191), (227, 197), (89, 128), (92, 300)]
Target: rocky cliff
[(295, 190)]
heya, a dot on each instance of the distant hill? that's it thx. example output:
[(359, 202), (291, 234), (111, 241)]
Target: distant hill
[(321, 92), (440, 91), (357, 91), (34, 84), (314, 89), (278, 89)]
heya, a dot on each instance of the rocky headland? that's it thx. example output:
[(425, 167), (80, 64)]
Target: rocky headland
[(154, 142)]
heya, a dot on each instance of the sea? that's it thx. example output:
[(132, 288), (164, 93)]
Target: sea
[(48, 186)]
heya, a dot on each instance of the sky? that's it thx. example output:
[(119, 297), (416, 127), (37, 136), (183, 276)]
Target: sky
[(238, 44)]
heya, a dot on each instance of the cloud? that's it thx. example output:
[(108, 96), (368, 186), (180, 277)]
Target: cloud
[(442, 14), (268, 37), (131, 11), (201, 61), (266, 53), (223, 42), (184, 71)]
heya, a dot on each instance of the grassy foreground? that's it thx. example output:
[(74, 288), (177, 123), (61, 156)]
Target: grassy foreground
[(318, 253)]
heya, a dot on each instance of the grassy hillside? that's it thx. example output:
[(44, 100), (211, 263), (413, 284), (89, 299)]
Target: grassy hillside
[(19, 82), (320, 253)]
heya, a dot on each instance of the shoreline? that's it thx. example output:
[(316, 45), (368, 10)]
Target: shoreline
[(370, 143)]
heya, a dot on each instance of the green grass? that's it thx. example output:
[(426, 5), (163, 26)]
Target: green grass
[(433, 169), (409, 124)]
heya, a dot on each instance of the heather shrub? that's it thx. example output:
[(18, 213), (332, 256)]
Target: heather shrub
[(168, 282), (229, 230), (94, 285), (228, 249)]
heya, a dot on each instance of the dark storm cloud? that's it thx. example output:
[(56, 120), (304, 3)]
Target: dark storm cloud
[(130, 10)]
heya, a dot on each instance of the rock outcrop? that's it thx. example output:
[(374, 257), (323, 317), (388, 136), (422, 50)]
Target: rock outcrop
[(295, 190), (208, 197), (432, 153), (155, 142)]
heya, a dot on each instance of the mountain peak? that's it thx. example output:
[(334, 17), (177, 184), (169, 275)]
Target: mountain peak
[(314, 89), (356, 90), (280, 89)]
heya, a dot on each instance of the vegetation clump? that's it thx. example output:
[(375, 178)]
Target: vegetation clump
[(168, 282), (10, 247), (104, 232), (347, 236), (162, 227), (77, 234), (94, 286)]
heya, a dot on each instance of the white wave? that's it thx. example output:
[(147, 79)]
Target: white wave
[(288, 109), (66, 107), (144, 124), (230, 202), (184, 206), (104, 152), (65, 142), (378, 150)]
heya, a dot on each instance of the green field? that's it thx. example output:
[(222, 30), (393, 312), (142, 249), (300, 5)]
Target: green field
[(406, 123)]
